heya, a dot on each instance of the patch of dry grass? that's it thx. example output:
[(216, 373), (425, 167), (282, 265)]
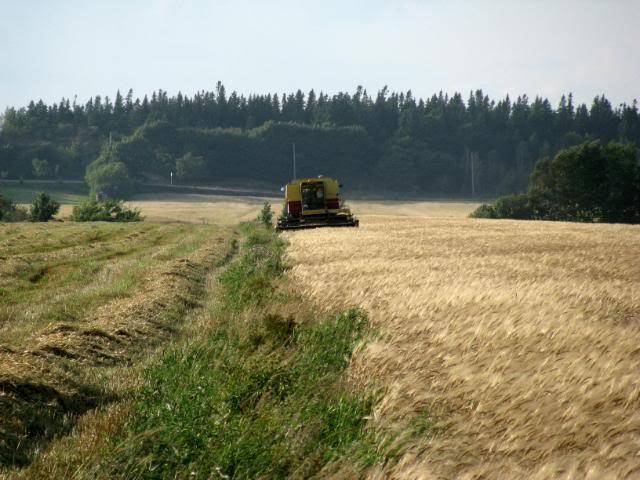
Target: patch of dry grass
[(515, 344)]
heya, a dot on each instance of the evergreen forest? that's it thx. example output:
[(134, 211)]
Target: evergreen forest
[(388, 143)]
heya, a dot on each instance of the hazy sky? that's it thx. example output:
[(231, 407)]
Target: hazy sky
[(50, 49)]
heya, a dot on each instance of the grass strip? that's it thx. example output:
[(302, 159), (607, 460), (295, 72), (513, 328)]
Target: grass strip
[(259, 395)]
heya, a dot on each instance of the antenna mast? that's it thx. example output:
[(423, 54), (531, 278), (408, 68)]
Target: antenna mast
[(294, 161)]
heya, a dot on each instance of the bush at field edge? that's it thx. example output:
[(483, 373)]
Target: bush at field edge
[(110, 210), (586, 183), (43, 208), (10, 212)]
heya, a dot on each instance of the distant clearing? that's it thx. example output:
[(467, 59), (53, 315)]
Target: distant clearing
[(506, 349)]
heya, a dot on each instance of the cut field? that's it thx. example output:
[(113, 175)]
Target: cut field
[(80, 304), (60, 272), (505, 348)]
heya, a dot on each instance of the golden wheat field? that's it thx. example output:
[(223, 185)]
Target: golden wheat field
[(516, 343)]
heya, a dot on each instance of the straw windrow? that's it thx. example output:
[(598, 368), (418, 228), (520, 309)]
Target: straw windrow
[(61, 370)]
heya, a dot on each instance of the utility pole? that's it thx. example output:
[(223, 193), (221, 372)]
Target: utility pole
[(294, 161), (473, 175)]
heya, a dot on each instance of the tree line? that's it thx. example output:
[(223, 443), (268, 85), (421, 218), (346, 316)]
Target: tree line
[(388, 142)]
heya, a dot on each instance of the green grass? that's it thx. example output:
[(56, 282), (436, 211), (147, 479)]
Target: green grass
[(259, 395), (64, 193)]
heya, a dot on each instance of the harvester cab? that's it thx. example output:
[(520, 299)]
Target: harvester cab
[(313, 203)]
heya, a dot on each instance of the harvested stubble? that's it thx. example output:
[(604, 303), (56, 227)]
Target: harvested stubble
[(517, 341), (50, 376), (60, 272)]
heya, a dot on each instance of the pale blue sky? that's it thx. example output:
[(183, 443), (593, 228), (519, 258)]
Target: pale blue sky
[(50, 49)]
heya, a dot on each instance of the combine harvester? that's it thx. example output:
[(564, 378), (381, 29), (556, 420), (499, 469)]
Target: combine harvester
[(313, 203)]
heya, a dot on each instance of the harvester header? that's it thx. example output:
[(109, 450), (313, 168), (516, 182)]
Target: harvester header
[(312, 203)]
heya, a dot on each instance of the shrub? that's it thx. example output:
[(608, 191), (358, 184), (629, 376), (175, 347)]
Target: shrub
[(5, 205), (484, 211), (514, 206), (110, 210), (266, 215), (9, 212), (17, 214), (585, 183), (43, 208)]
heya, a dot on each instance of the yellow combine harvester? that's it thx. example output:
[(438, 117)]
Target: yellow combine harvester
[(312, 203)]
